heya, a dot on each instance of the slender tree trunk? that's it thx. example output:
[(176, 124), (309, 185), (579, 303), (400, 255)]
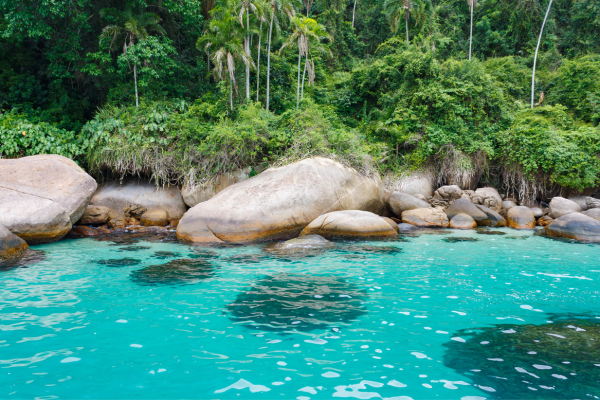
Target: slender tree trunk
[(303, 76), (536, 53), (258, 63), (298, 86), (231, 93), (406, 25), (471, 31), (248, 53), (269, 62), (353, 12), (135, 81)]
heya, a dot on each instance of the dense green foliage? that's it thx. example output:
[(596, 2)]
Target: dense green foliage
[(70, 71)]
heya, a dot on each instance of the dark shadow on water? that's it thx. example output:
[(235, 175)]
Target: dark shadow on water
[(163, 255), (287, 302), (119, 262), (29, 258), (559, 360), (204, 253), (134, 248), (363, 251), (485, 231), (458, 239), (176, 272), (246, 258)]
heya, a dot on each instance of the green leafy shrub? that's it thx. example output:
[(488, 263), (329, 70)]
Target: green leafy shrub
[(20, 137), (545, 145)]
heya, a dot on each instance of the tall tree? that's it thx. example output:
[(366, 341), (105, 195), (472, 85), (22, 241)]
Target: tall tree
[(472, 4), (304, 31), (536, 52), (128, 27), (224, 39), (395, 9), (247, 6), (275, 9)]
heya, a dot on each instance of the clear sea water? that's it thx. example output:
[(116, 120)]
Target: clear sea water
[(445, 315)]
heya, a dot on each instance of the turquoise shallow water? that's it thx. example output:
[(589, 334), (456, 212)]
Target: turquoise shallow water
[(428, 316)]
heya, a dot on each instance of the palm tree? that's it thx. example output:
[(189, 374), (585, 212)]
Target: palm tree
[(245, 7), (536, 52), (472, 4), (224, 37), (276, 8), (395, 9), (304, 29), (129, 28)]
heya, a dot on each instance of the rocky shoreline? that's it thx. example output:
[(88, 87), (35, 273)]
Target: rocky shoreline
[(47, 197)]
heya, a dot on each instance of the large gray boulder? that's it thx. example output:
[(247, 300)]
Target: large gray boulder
[(592, 202), (464, 206), (462, 221), (448, 193), (42, 196), (117, 196), (94, 215), (581, 201), (593, 213), (280, 202), (521, 217), (194, 194), (488, 197), (575, 226), (419, 183), (427, 217), (399, 202), (11, 246), (560, 206), (496, 220), (350, 224)]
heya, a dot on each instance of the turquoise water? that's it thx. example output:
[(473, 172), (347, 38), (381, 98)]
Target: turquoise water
[(152, 318)]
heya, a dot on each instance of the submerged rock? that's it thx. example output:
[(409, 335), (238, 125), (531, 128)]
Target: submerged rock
[(280, 202), (521, 217), (287, 302), (352, 224), (559, 360), (11, 246), (560, 206), (460, 239), (120, 262), (309, 245), (575, 226), (177, 272), (426, 217), (94, 215), (484, 231), (42, 196), (462, 221)]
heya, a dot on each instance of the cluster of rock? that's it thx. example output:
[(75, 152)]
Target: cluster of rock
[(42, 198)]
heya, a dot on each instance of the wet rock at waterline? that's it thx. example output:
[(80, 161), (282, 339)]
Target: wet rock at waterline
[(464, 206), (280, 202), (575, 226), (399, 202), (426, 217), (11, 246), (94, 215), (391, 222), (521, 217), (81, 231), (287, 302), (462, 221), (42, 196), (404, 227), (560, 206), (176, 272), (559, 360), (544, 221), (309, 245), (495, 219), (117, 195), (352, 224), (155, 218)]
